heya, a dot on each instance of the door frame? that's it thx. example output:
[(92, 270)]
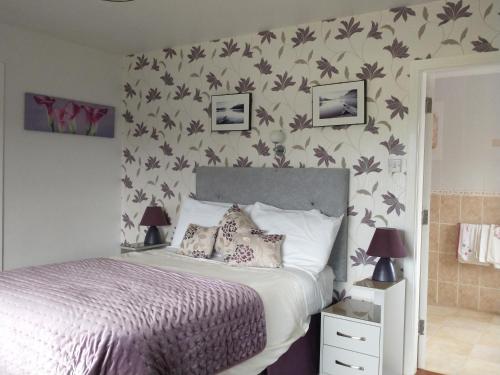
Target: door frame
[(419, 71)]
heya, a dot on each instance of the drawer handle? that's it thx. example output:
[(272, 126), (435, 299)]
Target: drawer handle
[(360, 368), (351, 337)]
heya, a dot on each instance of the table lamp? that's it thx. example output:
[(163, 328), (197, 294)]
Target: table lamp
[(386, 244), (154, 217)]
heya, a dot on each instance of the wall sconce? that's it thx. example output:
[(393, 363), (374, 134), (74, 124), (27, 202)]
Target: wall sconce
[(278, 137)]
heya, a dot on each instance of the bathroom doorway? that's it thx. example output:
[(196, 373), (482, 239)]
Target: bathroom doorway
[(460, 289)]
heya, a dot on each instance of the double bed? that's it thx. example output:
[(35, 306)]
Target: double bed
[(265, 313)]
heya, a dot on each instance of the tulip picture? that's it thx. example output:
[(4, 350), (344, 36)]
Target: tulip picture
[(48, 103), (57, 115)]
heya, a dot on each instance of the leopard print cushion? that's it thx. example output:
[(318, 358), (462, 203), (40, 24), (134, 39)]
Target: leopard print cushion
[(234, 221), (198, 241), (256, 250)]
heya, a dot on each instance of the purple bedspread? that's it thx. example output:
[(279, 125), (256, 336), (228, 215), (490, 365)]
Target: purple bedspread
[(110, 317)]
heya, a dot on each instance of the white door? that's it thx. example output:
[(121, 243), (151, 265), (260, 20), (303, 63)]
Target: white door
[(2, 115), (426, 199)]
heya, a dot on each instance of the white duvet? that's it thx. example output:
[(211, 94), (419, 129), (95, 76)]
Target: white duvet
[(289, 295)]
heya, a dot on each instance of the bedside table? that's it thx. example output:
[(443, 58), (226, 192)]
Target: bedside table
[(365, 337), (139, 246)]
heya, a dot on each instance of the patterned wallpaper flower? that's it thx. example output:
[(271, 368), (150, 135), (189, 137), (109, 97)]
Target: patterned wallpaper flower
[(166, 107)]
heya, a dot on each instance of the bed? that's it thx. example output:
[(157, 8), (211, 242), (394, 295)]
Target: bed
[(273, 307)]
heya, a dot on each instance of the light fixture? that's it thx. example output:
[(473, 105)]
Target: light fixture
[(386, 243), (118, 1), (153, 217), (278, 137)]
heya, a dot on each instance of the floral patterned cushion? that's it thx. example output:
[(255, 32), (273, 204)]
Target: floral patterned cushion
[(256, 250), (198, 241), (234, 221)]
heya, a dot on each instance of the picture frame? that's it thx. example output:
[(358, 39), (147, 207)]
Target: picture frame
[(68, 116), (338, 104), (231, 112)]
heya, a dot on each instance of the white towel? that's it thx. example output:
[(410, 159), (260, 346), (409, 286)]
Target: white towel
[(483, 243), (468, 243), (493, 252)]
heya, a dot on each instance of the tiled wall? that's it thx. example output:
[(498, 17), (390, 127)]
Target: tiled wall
[(452, 283)]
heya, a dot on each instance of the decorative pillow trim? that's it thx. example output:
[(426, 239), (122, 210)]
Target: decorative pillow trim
[(198, 241)]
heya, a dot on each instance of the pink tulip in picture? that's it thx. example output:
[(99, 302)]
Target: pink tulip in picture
[(56, 115)]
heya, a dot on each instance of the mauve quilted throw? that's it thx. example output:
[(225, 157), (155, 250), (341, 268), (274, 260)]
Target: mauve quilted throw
[(110, 317)]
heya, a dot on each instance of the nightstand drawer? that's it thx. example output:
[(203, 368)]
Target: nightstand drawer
[(338, 361), (345, 334)]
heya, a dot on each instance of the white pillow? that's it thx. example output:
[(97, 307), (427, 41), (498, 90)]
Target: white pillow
[(309, 235), (203, 213)]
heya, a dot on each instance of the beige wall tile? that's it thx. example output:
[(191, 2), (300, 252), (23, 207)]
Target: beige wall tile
[(448, 238), (491, 210), (433, 265), (468, 297), (469, 274), (449, 211), (448, 268), (434, 237), (432, 292), (447, 293), (451, 283), (471, 209), (489, 300), (434, 209), (489, 277)]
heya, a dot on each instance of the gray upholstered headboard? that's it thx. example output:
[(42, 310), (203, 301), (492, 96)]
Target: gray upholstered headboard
[(325, 189)]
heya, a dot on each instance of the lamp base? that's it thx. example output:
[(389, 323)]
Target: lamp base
[(153, 237), (384, 271)]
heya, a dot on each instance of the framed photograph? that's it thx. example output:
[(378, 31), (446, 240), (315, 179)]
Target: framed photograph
[(339, 104), (57, 115), (231, 112)]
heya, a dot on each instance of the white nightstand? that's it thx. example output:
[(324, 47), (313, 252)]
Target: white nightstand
[(365, 337)]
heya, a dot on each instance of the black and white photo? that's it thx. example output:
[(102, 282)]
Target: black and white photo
[(231, 112), (339, 104)]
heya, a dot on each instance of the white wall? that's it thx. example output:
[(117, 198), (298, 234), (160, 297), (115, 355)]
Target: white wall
[(62, 192), (469, 156)]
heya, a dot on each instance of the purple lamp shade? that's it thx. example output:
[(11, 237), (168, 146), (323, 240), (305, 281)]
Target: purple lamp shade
[(155, 216), (387, 243)]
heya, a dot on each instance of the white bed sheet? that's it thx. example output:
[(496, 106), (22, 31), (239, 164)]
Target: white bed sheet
[(290, 296)]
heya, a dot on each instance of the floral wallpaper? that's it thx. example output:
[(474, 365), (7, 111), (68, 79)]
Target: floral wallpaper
[(165, 117)]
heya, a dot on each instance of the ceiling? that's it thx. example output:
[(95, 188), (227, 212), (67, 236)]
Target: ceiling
[(144, 25)]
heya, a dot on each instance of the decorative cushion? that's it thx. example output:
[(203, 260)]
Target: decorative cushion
[(198, 241), (256, 250), (192, 211), (233, 221)]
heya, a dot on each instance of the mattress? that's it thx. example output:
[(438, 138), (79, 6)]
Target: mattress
[(290, 297)]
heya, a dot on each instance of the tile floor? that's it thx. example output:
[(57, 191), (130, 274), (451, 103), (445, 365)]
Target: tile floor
[(462, 342)]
